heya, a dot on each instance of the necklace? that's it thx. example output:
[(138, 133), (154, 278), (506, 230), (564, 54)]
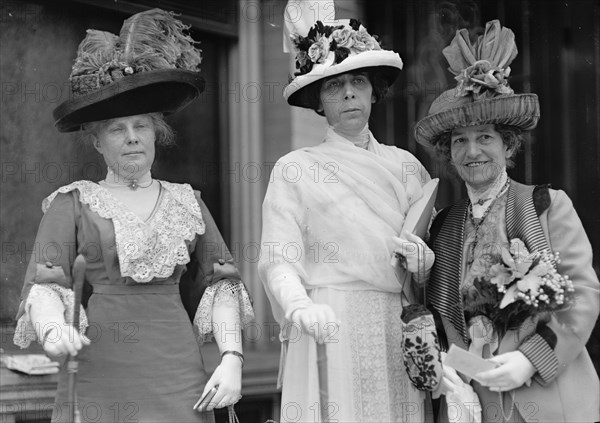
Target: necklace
[(480, 196), (478, 222), (482, 201), (132, 185)]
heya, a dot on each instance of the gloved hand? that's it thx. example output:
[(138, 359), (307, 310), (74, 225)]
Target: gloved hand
[(463, 403), (513, 371), (448, 383), (418, 256), (56, 336), (59, 340), (228, 377), (318, 320)]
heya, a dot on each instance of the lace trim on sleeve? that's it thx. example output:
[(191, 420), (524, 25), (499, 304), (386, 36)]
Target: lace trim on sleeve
[(25, 332), (231, 293)]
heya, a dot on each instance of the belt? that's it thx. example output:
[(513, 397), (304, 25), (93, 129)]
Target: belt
[(136, 289)]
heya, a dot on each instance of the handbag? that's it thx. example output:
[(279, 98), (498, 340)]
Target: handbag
[(420, 346)]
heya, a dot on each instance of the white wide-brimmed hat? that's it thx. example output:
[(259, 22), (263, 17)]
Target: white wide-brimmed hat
[(328, 50)]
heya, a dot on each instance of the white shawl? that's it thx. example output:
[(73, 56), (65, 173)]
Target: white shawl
[(330, 212)]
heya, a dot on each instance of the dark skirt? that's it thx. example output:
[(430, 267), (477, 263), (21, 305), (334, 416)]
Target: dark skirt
[(143, 365)]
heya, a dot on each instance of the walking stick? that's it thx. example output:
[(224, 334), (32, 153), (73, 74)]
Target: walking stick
[(323, 386), (72, 364)]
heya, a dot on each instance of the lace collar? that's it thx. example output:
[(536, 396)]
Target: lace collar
[(481, 199), (149, 249)]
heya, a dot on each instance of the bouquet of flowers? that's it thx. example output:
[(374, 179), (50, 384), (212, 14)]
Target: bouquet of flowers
[(341, 40), (518, 285)]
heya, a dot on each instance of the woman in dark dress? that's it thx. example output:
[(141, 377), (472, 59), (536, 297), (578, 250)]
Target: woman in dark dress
[(139, 359)]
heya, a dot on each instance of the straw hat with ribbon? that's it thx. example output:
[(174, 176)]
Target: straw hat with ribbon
[(332, 48), (151, 66), (482, 95)]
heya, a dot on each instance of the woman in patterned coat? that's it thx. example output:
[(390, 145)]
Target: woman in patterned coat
[(543, 373)]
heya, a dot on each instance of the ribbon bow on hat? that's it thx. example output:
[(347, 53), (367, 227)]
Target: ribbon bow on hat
[(482, 95), (301, 15), (482, 68), (324, 47)]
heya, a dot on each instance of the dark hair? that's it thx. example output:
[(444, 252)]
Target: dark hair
[(381, 88), (512, 137), (165, 136)]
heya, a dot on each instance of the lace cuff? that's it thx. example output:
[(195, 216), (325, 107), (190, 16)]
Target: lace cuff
[(231, 293), (25, 331)]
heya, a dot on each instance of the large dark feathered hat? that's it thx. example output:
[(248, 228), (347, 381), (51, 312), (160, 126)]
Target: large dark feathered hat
[(482, 95), (151, 66)]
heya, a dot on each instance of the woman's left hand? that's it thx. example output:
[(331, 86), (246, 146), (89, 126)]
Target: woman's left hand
[(513, 371), (417, 255), (228, 377)]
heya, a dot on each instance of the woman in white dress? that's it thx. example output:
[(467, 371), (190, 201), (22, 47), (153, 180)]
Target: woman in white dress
[(332, 219)]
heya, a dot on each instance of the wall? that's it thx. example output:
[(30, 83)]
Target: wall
[(38, 46)]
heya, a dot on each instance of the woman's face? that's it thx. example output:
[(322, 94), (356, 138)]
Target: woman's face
[(479, 154), (346, 101), (127, 145)]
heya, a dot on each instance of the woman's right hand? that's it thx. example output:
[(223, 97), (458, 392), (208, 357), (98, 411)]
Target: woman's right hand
[(60, 340), (318, 320), (448, 381), (451, 383)]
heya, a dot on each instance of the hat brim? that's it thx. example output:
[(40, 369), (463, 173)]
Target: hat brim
[(519, 110), (387, 62), (166, 91)]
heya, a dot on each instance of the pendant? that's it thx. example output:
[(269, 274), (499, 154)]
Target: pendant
[(134, 186)]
